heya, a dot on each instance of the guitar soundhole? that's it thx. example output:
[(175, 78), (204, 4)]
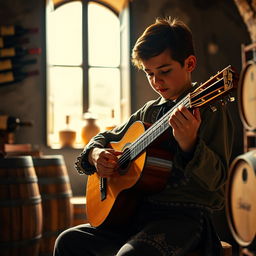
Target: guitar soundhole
[(124, 162)]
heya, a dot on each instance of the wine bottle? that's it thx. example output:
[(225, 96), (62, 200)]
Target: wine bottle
[(15, 76), (10, 30), (91, 128), (18, 52), (11, 123), (8, 64), (67, 136), (8, 41)]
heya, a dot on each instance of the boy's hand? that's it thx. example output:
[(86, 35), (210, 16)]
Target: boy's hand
[(185, 127), (105, 160)]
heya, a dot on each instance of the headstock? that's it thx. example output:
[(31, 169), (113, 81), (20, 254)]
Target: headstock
[(218, 87)]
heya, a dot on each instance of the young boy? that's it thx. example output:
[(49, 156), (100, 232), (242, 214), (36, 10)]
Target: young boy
[(175, 220)]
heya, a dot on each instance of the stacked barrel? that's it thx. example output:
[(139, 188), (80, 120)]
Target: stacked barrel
[(35, 204), (241, 186)]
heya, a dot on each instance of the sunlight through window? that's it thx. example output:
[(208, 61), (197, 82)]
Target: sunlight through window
[(104, 38), (65, 35), (79, 79)]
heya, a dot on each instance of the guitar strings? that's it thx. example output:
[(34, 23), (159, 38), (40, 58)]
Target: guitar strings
[(156, 126), (136, 145), (152, 129), (140, 141)]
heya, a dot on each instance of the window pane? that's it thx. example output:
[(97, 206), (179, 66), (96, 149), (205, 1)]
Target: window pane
[(64, 98), (65, 42), (104, 92), (64, 33), (104, 36)]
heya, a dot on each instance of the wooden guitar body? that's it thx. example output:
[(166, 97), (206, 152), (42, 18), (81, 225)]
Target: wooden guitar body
[(148, 173)]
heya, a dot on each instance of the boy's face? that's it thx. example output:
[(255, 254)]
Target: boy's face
[(166, 76)]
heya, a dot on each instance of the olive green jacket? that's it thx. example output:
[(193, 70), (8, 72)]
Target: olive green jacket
[(199, 177)]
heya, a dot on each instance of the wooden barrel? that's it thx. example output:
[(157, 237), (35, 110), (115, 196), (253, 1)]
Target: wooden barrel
[(79, 209), (54, 186), (247, 96), (241, 198), (20, 207)]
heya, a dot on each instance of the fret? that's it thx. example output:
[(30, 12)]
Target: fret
[(150, 134)]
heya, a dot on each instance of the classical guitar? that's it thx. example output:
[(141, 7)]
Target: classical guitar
[(143, 167)]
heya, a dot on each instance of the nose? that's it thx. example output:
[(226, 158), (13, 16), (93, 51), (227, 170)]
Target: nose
[(157, 80)]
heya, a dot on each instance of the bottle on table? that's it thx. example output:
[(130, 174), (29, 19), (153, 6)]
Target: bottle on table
[(12, 123), (8, 126), (90, 128), (67, 136)]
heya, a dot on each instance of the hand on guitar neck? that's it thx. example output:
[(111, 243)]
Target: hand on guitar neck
[(105, 160), (185, 126)]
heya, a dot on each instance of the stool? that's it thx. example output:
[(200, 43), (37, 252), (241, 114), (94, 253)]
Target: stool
[(227, 250)]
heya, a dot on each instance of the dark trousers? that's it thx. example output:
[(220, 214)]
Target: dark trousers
[(155, 231)]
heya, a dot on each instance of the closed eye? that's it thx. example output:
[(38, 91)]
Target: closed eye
[(165, 71)]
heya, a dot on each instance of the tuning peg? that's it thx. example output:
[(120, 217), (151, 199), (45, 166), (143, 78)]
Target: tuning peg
[(223, 102), (213, 108), (231, 98)]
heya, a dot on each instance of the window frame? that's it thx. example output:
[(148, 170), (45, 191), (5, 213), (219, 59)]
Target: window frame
[(125, 108)]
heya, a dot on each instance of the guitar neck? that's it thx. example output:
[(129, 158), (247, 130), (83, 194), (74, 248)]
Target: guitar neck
[(214, 88), (154, 131)]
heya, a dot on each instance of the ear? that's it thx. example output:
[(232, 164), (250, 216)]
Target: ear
[(190, 63)]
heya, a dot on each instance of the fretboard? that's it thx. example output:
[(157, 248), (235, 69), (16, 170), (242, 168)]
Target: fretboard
[(216, 87), (154, 131)]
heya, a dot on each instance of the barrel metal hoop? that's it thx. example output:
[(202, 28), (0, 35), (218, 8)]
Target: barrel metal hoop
[(18, 180), (53, 180), (21, 202), (56, 196), (48, 161), (10, 244), (17, 161)]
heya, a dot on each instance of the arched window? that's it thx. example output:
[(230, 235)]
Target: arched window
[(85, 70)]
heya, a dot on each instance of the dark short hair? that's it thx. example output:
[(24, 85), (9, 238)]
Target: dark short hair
[(165, 33)]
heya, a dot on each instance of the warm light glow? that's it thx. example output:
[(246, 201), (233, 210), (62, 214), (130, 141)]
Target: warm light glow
[(117, 5), (104, 37), (104, 93), (65, 67), (65, 35), (66, 99)]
